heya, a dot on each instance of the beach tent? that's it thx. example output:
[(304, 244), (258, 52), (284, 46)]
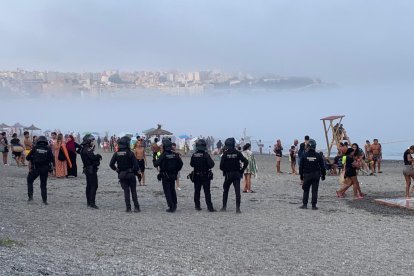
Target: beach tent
[(3, 126), (158, 132)]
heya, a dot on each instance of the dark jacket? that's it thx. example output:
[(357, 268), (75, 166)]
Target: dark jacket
[(124, 160), (230, 161), (90, 160), (41, 156), (311, 162), (169, 162)]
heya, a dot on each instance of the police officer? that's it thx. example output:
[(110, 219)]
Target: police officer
[(202, 163), (41, 162), (311, 169), (127, 167), (91, 162), (170, 164), (230, 165)]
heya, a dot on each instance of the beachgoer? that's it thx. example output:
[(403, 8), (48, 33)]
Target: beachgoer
[(260, 145), (278, 150), (408, 170), (4, 147), (139, 152), (62, 160), (72, 148), (367, 147), (202, 163), (230, 165), (251, 169), (41, 161), (350, 175), (292, 159), (91, 162), (311, 170), (376, 149), (219, 145), (155, 148), (17, 150), (126, 165), (302, 148)]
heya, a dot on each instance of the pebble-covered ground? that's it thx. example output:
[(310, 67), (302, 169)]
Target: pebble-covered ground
[(271, 236)]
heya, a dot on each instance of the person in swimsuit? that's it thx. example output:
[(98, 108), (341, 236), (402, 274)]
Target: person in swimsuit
[(139, 152), (408, 170), (377, 155)]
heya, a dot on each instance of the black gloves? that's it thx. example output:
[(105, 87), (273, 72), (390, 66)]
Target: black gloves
[(323, 177), (99, 156)]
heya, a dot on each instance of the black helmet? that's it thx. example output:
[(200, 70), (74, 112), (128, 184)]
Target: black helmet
[(230, 143), (41, 140), (124, 142), (312, 144), (166, 144), (88, 139), (201, 145)]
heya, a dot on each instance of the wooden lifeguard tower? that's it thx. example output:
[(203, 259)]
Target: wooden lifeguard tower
[(333, 133)]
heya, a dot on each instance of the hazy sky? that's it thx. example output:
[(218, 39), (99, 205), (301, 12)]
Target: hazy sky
[(349, 41)]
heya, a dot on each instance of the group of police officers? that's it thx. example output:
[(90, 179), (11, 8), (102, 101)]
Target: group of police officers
[(233, 165)]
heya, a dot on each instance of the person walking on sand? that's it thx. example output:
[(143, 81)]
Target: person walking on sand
[(408, 170), (91, 162), (260, 145), (230, 165), (126, 165), (17, 150), (292, 159), (72, 148), (350, 175), (311, 169), (41, 161), (139, 152), (278, 150), (251, 169)]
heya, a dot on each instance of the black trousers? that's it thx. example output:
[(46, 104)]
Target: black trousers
[(232, 178), (205, 183), (311, 180), (91, 187), (43, 172), (74, 170), (129, 185), (168, 185)]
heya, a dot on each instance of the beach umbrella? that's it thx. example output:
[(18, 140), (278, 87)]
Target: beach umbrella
[(184, 136), (158, 132), (31, 128), (18, 125)]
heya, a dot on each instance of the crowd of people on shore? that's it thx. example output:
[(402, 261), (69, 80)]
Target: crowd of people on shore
[(351, 160)]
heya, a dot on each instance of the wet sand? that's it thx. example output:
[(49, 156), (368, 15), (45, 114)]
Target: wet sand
[(271, 236)]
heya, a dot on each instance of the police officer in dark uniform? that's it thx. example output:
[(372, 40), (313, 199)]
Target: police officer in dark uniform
[(170, 164), (202, 163), (127, 168), (311, 169), (230, 165), (91, 162), (41, 162)]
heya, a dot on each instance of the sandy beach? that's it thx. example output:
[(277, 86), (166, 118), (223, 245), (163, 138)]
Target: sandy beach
[(271, 236)]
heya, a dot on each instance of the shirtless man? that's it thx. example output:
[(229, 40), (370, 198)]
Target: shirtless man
[(377, 154), (139, 152), (28, 145), (367, 147)]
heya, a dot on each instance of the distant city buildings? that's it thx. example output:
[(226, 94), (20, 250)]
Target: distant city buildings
[(21, 82)]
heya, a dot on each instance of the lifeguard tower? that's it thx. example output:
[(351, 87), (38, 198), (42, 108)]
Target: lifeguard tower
[(334, 133)]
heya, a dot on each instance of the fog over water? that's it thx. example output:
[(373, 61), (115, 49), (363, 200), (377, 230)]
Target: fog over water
[(381, 112)]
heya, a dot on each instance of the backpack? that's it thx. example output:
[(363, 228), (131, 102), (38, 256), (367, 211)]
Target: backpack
[(40, 155)]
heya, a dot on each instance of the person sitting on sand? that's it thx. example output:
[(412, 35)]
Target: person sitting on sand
[(408, 171)]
